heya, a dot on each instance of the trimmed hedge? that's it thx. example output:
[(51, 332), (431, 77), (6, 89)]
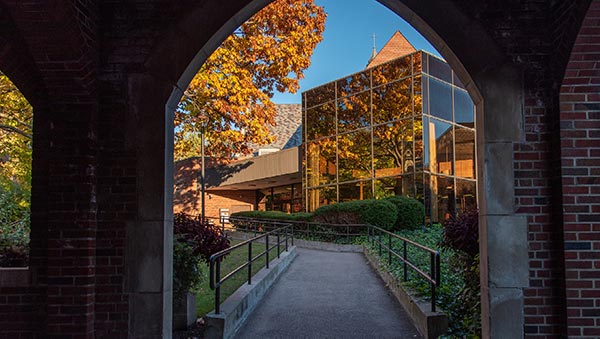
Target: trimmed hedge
[(275, 215), (410, 212), (380, 213)]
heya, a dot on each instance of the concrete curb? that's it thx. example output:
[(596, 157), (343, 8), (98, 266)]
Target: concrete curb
[(236, 309), (429, 324)]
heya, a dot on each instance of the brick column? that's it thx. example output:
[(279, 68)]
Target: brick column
[(580, 135), (71, 222)]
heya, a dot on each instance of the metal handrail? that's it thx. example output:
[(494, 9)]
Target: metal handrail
[(375, 235), (433, 277), (215, 260)]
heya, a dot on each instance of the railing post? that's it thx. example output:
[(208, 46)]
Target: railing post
[(433, 274), (250, 263), (278, 242), (389, 249), (218, 289), (379, 243), (347, 234), (267, 249), (405, 265), (286, 237), (292, 234)]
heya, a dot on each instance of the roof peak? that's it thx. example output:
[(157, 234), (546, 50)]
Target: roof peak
[(395, 47)]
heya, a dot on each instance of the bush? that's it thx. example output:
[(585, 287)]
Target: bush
[(194, 242), (380, 213), (410, 212), (14, 227), (462, 232), (274, 215)]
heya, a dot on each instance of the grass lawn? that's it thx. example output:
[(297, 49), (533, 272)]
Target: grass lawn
[(205, 299)]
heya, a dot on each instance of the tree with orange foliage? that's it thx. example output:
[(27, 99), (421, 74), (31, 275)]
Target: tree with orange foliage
[(230, 96)]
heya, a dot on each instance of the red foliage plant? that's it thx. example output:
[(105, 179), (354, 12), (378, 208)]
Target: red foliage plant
[(462, 232), (204, 238)]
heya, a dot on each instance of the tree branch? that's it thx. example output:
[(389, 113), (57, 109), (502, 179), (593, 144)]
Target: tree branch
[(13, 129)]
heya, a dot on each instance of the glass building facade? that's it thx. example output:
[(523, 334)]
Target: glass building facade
[(405, 127)]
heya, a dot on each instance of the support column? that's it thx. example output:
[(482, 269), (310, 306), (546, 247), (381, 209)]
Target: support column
[(149, 252)]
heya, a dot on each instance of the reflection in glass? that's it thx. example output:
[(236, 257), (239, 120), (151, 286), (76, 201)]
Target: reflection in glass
[(428, 139), (320, 196), (393, 148), (464, 146), (466, 195), (392, 101), (463, 109), (353, 84), (354, 112), (320, 121), (386, 131), (418, 144), (354, 155), (457, 81), (390, 71), (440, 99), (359, 190), (387, 187), (320, 162), (442, 198), (440, 69), (319, 95), (441, 151)]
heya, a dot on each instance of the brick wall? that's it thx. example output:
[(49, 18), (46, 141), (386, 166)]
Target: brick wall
[(580, 134)]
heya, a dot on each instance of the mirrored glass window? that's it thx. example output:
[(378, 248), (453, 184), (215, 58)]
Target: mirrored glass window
[(320, 160), (355, 83), (440, 69), (393, 148), (320, 95), (440, 99), (418, 144), (427, 140), (392, 101), (354, 155), (466, 195), (464, 110), (464, 146), (441, 152), (359, 190), (387, 187), (457, 81), (442, 198), (393, 70), (354, 112), (320, 121)]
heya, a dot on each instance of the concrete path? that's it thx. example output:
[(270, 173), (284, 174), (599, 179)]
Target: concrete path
[(328, 295)]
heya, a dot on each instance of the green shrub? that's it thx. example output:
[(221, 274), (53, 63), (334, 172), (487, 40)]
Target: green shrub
[(380, 213), (274, 215), (410, 212)]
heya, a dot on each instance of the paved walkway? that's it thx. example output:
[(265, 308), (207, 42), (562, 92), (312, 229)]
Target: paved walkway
[(328, 295)]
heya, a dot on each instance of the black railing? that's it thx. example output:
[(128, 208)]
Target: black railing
[(385, 240), (284, 231), (306, 230)]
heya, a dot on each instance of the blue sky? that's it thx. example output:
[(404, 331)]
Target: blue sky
[(348, 42)]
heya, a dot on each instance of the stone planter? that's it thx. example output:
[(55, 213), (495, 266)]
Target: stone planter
[(184, 312)]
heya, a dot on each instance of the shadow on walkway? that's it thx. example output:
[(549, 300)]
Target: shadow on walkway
[(328, 295)]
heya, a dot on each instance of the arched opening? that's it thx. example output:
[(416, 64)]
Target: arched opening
[(493, 86)]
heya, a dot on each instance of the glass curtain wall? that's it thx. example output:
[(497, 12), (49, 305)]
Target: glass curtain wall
[(405, 127)]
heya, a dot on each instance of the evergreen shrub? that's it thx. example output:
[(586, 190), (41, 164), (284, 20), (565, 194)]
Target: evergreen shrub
[(410, 212), (274, 215), (381, 213)]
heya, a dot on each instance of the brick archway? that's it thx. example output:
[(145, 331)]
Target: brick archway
[(101, 76), (495, 87)]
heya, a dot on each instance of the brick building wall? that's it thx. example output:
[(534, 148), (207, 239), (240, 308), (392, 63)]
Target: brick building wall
[(85, 67), (580, 146)]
